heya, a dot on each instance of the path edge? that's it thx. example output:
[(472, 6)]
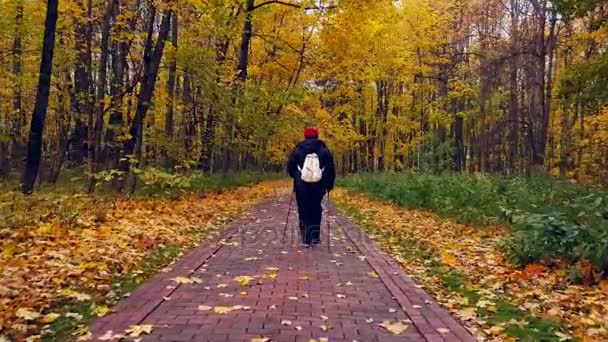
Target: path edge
[(428, 316), (150, 294)]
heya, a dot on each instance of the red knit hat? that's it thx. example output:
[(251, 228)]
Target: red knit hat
[(311, 132)]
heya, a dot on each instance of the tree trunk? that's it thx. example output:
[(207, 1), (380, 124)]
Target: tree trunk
[(245, 42), (513, 89), (19, 118), (34, 146), (133, 146), (171, 80), (81, 97), (111, 152), (96, 134)]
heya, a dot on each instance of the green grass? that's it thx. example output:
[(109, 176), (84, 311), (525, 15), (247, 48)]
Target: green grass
[(532, 328), (483, 199), (551, 219)]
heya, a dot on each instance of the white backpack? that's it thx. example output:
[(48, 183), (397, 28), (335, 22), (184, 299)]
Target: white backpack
[(311, 170)]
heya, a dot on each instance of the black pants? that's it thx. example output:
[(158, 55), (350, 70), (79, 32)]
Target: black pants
[(310, 212)]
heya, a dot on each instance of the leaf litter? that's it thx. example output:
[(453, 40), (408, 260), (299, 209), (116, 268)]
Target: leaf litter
[(473, 252), (50, 255)]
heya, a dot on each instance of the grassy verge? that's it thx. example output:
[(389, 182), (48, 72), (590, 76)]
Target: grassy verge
[(553, 221), (494, 312)]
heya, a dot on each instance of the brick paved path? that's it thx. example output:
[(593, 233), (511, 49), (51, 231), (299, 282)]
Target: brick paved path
[(323, 293)]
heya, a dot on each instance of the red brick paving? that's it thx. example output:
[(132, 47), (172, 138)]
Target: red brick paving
[(333, 287)]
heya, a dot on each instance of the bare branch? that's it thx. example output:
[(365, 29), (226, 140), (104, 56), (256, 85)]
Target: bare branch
[(284, 3)]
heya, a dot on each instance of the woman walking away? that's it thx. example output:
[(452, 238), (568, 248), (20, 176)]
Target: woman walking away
[(311, 166)]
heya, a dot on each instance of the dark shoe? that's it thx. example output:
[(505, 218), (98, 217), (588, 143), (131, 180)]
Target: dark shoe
[(302, 231), (315, 234), (307, 234)]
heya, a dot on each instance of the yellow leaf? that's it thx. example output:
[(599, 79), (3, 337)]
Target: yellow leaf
[(243, 280), (449, 260), (222, 309), (603, 285), (182, 280), (27, 314), (374, 275), (395, 328), (495, 330), (303, 278), (81, 297), (101, 310), (50, 318), (467, 314), (260, 339), (138, 330), (84, 334)]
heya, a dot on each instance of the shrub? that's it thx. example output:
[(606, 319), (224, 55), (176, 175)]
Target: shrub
[(550, 218)]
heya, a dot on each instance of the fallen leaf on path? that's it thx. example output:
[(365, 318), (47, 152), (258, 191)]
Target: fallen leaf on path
[(222, 309), (204, 308), (374, 275), (182, 280), (303, 278), (443, 330), (241, 307), (221, 286), (260, 339), (138, 330), (286, 323), (110, 336), (395, 328), (243, 280)]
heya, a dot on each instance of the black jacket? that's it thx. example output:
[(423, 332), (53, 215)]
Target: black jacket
[(325, 159)]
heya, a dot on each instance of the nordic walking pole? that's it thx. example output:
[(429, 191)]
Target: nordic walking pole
[(287, 220), (328, 224)]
